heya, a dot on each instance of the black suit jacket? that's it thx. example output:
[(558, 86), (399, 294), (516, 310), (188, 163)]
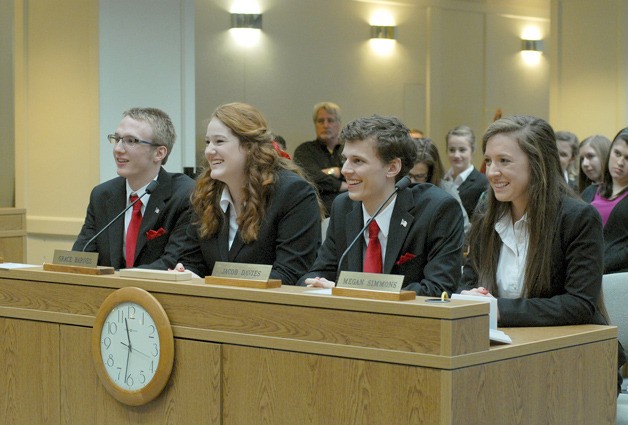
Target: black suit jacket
[(576, 279), (615, 234), (426, 223), (289, 235), (168, 208), (471, 189)]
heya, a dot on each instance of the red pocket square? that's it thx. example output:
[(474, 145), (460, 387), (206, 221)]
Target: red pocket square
[(152, 234), (405, 258)]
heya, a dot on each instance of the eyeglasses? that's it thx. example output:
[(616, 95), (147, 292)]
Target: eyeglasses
[(328, 120), (418, 178), (128, 141)]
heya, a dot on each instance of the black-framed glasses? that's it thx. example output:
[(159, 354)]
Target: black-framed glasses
[(128, 141), (418, 178)]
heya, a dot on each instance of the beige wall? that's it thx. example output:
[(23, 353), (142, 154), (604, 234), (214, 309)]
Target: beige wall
[(56, 116), (589, 70), (455, 61), (7, 129)]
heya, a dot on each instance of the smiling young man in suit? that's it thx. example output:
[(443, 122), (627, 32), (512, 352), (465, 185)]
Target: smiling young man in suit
[(141, 145), (420, 230)]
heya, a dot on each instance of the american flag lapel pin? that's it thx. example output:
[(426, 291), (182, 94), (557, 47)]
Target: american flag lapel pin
[(404, 223)]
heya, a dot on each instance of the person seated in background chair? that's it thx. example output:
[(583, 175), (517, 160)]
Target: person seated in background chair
[(567, 144), (321, 159), (418, 234), (610, 198), (428, 168), (530, 205), (469, 181), (592, 152), (152, 239), (250, 204)]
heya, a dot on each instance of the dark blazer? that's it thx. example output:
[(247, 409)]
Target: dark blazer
[(289, 235), (168, 209), (576, 279), (615, 234), (471, 189), (426, 224)]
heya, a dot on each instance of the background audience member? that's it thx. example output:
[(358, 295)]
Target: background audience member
[(469, 181), (592, 152), (153, 239), (251, 205), (567, 144), (428, 168), (415, 133), (558, 281), (419, 232), (321, 158), (610, 198)]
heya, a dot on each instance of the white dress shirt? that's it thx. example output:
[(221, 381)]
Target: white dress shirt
[(510, 274), (383, 221)]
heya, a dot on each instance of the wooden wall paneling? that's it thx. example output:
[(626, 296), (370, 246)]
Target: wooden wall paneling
[(192, 395), (263, 386), (29, 373)]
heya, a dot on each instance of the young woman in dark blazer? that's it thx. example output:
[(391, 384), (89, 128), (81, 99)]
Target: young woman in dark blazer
[(251, 205), (610, 198)]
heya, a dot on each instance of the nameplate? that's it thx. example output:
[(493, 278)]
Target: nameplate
[(370, 281), (75, 258), (242, 271)]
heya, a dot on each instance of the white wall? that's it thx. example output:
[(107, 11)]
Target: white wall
[(147, 59), (454, 62)]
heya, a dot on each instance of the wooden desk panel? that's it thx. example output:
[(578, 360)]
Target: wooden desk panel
[(282, 357), (13, 235)]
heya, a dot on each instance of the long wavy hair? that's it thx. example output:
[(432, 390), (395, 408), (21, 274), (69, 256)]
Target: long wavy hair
[(262, 165), (606, 187), (547, 187)]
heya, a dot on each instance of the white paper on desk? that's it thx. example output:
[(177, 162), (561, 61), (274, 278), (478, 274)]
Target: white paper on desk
[(492, 312), (10, 266), (323, 291), (494, 333)]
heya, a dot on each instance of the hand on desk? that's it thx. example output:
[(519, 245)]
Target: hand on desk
[(481, 292), (319, 282), (179, 268)]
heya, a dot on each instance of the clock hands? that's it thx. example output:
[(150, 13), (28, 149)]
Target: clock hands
[(128, 354), (135, 350)]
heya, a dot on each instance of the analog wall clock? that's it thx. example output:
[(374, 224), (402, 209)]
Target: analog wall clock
[(133, 346)]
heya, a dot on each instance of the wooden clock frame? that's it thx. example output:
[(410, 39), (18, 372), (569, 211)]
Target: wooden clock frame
[(166, 346)]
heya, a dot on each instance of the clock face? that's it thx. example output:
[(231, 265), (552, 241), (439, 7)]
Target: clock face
[(130, 346)]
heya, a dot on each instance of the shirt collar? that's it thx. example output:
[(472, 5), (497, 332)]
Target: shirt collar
[(383, 218), (226, 200)]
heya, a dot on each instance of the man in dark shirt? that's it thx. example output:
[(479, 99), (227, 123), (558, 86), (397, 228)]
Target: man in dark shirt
[(321, 158)]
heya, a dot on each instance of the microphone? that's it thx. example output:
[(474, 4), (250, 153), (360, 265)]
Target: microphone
[(403, 183), (149, 189)]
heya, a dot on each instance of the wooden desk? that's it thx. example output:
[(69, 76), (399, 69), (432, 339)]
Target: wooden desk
[(282, 356), (13, 235)]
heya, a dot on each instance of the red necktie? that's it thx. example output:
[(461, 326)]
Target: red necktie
[(133, 231), (373, 258)]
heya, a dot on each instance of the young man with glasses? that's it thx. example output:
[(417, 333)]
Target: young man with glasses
[(321, 158), (151, 233)]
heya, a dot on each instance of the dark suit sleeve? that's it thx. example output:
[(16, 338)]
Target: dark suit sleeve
[(88, 230), (298, 231), (329, 253), (307, 158), (581, 251), (444, 250), (616, 239), (191, 256)]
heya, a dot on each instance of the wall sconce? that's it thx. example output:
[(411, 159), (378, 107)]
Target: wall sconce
[(383, 32), (531, 51), (246, 20), (532, 46)]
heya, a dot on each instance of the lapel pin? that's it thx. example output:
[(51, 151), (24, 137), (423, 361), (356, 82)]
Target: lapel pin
[(404, 223), (156, 210)]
